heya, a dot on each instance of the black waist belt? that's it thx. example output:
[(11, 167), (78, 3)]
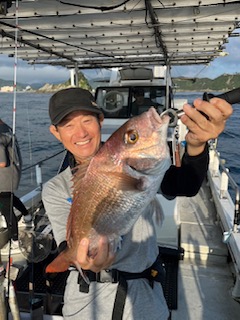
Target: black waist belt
[(113, 275), (155, 273)]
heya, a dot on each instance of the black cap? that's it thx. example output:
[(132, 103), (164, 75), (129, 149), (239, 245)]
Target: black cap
[(68, 100)]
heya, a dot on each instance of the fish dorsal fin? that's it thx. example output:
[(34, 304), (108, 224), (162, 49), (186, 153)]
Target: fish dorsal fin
[(79, 173)]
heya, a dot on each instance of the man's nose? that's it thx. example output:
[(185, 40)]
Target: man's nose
[(81, 130)]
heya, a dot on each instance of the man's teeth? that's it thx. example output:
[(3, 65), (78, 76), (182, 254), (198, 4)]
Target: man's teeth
[(82, 143)]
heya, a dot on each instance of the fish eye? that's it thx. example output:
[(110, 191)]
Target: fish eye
[(131, 137)]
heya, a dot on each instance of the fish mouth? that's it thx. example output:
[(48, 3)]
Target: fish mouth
[(157, 117)]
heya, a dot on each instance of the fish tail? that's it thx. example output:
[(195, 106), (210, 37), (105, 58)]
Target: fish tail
[(60, 264)]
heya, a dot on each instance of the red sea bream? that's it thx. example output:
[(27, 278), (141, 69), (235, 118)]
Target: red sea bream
[(119, 182)]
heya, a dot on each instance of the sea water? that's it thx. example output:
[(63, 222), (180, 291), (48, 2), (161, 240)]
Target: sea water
[(229, 140), (37, 143), (33, 135)]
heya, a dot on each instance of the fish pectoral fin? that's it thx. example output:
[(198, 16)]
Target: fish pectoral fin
[(60, 264), (128, 183), (143, 183)]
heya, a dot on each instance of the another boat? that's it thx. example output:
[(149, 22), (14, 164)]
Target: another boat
[(200, 239)]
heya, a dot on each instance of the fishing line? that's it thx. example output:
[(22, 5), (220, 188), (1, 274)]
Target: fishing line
[(13, 125), (30, 145), (10, 292)]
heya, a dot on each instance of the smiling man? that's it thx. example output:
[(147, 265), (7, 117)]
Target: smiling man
[(76, 122)]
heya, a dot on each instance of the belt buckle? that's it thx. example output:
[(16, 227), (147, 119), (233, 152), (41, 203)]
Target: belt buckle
[(107, 275)]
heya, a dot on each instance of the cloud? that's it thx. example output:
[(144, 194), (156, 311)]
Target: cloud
[(45, 74), (30, 73)]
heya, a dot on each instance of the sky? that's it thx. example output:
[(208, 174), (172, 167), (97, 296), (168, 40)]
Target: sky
[(29, 74)]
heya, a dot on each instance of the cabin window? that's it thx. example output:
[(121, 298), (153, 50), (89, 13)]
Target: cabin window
[(125, 102)]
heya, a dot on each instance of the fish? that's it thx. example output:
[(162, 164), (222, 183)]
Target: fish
[(115, 187)]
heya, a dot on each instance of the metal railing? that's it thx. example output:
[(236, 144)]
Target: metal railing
[(38, 167), (39, 163), (217, 165)]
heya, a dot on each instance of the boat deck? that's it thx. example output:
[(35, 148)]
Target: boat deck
[(206, 277)]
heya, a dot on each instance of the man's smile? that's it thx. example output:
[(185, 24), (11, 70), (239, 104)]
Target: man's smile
[(82, 143)]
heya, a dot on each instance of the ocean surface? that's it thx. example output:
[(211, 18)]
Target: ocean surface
[(37, 143)]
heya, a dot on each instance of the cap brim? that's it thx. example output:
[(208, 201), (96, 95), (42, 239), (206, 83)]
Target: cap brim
[(65, 112)]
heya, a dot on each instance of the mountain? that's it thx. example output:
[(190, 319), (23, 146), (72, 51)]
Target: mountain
[(20, 86), (9, 83), (224, 82), (82, 83)]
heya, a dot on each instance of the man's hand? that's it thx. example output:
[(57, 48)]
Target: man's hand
[(202, 129), (102, 260), (3, 164)]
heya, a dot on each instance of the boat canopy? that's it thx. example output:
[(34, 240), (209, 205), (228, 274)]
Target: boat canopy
[(106, 34)]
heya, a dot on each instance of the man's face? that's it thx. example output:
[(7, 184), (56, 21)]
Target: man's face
[(80, 133), (139, 97)]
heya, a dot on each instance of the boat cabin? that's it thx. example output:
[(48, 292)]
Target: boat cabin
[(131, 91)]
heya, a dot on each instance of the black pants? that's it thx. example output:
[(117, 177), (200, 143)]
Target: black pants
[(7, 202)]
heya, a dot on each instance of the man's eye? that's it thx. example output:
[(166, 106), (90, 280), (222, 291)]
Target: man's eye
[(131, 137), (87, 120), (68, 125)]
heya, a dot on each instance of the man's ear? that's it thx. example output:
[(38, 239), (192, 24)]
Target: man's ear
[(101, 118), (53, 129)]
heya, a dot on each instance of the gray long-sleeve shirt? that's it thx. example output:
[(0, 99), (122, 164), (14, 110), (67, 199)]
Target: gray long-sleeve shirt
[(138, 252)]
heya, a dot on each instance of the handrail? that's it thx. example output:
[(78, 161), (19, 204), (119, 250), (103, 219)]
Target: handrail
[(235, 187), (42, 161), (236, 220), (231, 180)]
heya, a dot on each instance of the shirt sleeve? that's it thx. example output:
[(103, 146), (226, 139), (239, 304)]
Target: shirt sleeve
[(56, 198), (187, 179)]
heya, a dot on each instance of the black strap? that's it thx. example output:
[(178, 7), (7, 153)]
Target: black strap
[(155, 273), (120, 299), (113, 275)]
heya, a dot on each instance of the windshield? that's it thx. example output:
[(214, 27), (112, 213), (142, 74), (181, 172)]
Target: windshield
[(125, 102)]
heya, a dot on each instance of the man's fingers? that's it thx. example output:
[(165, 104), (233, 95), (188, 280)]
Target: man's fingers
[(217, 109), (101, 258), (102, 252), (82, 252), (223, 106)]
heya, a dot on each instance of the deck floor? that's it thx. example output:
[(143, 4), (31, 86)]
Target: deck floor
[(205, 279)]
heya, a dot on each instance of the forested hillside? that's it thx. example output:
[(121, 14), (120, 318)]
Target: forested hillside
[(223, 83)]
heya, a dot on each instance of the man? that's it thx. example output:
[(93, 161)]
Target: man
[(141, 104), (10, 173), (76, 122)]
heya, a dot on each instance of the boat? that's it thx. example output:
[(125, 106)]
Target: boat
[(139, 41)]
